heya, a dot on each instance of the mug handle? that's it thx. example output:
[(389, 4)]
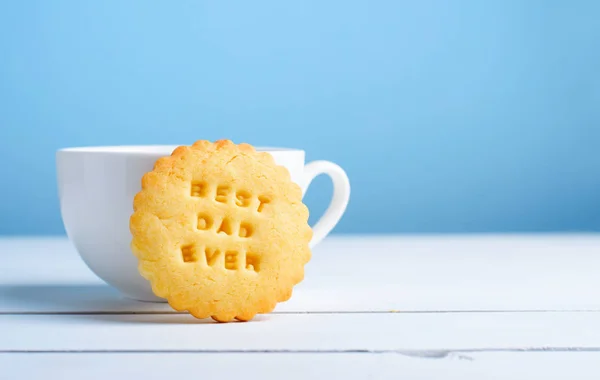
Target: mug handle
[(339, 200)]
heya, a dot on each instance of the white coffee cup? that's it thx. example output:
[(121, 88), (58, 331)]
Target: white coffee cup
[(96, 189)]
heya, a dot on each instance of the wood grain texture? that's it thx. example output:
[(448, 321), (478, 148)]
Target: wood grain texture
[(427, 273), (478, 366), (369, 332), (486, 307)]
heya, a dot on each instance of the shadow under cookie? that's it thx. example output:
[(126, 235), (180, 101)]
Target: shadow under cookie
[(71, 298)]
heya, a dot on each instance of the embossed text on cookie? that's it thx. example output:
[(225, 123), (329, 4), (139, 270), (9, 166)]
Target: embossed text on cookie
[(224, 193), (230, 226), (215, 257)]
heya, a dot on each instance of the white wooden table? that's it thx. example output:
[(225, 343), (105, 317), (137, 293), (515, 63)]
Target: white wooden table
[(454, 307)]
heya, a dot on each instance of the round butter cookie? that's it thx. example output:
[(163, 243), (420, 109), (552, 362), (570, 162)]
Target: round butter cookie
[(220, 230)]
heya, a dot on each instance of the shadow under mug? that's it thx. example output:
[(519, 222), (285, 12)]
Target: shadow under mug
[(97, 186)]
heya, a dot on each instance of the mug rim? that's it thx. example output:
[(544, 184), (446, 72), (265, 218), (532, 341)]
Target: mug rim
[(153, 149)]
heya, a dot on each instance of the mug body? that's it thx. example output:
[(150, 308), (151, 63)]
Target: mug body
[(96, 188)]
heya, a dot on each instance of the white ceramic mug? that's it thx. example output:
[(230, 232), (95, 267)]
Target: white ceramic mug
[(96, 189)]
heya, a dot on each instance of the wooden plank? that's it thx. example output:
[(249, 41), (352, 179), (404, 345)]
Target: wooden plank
[(377, 273), (385, 332), (478, 366)]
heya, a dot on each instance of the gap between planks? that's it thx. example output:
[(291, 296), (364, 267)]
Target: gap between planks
[(426, 354), (99, 312)]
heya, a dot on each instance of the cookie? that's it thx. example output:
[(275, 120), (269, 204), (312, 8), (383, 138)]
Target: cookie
[(220, 230)]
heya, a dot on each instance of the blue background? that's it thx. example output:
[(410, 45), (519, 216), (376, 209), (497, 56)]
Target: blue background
[(449, 116)]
